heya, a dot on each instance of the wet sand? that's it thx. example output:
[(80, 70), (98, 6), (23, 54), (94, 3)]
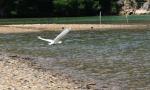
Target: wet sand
[(20, 73)]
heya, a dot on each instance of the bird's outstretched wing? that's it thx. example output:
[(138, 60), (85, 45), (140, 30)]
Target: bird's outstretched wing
[(61, 35), (48, 40)]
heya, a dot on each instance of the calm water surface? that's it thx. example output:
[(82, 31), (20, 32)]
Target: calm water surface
[(110, 56)]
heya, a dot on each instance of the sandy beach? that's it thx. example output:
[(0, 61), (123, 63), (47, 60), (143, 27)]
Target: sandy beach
[(55, 27)]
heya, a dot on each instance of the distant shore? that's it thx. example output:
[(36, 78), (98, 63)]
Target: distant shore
[(55, 27)]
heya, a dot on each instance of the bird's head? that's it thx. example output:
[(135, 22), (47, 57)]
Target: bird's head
[(59, 42), (50, 43), (39, 36)]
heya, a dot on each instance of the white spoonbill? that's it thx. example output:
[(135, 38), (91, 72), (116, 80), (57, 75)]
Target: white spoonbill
[(57, 39)]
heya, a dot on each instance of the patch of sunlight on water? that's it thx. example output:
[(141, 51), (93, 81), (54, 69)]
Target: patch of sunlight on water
[(122, 56)]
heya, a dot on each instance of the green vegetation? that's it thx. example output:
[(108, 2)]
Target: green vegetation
[(68, 8), (48, 8), (70, 11), (94, 19), (81, 20)]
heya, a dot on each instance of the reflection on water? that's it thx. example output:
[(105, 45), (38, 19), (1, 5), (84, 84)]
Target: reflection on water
[(121, 56)]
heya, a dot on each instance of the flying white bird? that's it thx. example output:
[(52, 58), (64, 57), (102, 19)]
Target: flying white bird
[(57, 39)]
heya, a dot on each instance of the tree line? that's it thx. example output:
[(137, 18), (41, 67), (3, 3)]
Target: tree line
[(56, 8)]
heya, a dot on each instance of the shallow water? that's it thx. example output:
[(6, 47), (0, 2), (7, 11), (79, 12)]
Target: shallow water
[(110, 56)]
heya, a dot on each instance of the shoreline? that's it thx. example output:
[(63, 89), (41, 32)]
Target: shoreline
[(23, 73), (57, 27)]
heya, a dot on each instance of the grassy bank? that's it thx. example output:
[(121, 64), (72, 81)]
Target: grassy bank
[(80, 20), (66, 20)]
